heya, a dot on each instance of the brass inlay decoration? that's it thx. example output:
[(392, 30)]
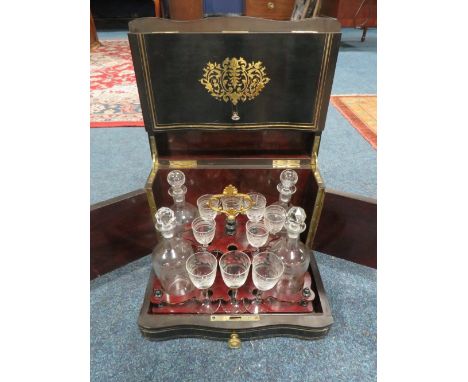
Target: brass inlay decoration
[(234, 341), (312, 125), (224, 317), (230, 192), (234, 80)]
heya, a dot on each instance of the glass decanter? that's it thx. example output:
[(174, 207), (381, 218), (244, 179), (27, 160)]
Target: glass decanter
[(170, 255), (294, 254), (286, 188), (184, 211)]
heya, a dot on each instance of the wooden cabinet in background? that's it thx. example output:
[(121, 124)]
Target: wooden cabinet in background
[(351, 13), (186, 9), (269, 9)]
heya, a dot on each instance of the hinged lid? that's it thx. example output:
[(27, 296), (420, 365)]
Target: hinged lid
[(270, 79)]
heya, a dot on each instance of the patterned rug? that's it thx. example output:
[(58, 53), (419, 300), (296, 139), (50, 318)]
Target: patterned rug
[(361, 112), (114, 95)]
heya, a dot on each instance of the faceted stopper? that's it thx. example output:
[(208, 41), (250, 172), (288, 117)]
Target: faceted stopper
[(176, 178), (178, 190), (287, 186), (165, 221), (295, 221), (288, 178)]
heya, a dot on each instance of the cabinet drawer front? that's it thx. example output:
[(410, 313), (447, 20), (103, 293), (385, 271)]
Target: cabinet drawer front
[(269, 9)]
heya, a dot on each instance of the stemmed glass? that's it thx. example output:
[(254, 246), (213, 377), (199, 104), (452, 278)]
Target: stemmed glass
[(234, 267), (256, 211), (204, 231), (274, 218), (201, 267), (257, 234), (204, 209), (267, 269)]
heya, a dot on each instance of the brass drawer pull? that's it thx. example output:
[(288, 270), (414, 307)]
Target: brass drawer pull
[(270, 5), (234, 342)]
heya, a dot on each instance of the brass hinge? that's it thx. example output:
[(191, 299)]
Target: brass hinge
[(286, 163), (182, 163)]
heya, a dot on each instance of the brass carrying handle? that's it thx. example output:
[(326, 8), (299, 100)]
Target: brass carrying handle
[(270, 5), (231, 191)]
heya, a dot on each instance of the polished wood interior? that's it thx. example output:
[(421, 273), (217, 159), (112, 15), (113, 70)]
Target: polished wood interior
[(201, 144), (121, 232)]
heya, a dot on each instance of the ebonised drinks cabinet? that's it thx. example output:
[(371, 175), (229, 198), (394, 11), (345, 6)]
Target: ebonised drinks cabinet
[(266, 116)]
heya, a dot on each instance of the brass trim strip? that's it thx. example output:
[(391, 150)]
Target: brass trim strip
[(147, 78), (322, 76), (153, 148), (315, 147), (318, 205), (149, 191), (152, 175), (308, 126)]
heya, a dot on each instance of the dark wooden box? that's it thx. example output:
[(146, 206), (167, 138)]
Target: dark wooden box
[(242, 133)]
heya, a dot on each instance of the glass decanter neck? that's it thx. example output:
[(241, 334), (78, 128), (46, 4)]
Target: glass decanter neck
[(178, 194)]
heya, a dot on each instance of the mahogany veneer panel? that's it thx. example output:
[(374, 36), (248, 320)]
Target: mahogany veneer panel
[(121, 231), (348, 228)]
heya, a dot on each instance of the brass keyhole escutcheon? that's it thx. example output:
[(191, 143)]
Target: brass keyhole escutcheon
[(234, 342), (270, 5)]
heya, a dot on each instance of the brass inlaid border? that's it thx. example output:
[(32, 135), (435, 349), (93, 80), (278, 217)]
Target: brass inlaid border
[(316, 146), (312, 126), (319, 199), (323, 75), (150, 180)]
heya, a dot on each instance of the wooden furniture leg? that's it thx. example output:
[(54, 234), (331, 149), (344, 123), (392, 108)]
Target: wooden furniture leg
[(364, 32), (93, 35), (157, 8)]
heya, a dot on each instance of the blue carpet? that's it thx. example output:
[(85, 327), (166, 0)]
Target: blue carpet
[(348, 353), (120, 161)]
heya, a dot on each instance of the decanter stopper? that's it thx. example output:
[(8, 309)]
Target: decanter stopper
[(295, 221), (165, 222), (177, 190), (287, 186)]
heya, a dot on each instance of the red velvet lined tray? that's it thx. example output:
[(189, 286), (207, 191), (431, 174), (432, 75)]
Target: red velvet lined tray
[(273, 300)]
